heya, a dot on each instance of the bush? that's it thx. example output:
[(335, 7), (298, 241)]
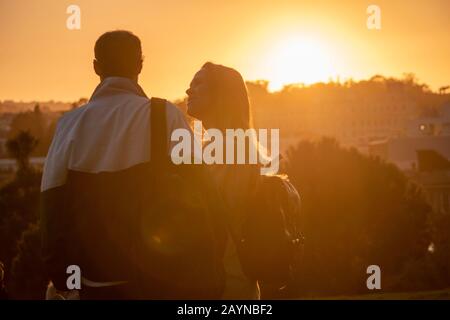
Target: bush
[(357, 211), (27, 274)]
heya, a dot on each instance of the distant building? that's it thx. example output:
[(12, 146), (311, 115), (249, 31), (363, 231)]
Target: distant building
[(433, 175), (354, 116), (422, 134), (438, 125), (424, 155), (403, 151)]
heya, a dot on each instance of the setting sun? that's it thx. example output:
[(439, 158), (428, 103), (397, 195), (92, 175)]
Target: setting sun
[(298, 60)]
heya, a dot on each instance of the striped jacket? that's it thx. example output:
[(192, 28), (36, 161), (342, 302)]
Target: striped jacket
[(102, 146)]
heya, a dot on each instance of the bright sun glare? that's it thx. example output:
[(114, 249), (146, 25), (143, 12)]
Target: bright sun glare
[(298, 60)]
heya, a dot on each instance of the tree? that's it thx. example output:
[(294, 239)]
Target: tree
[(36, 123), (443, 89), (19, 199), (357, 211), (27, 270), (20, 148)]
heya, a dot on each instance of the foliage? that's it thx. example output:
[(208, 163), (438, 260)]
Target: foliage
[(358, 211), (19, 200), (21, 147), (28, 279)]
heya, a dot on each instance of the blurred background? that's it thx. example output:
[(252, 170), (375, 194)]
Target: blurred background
[(364, 119)]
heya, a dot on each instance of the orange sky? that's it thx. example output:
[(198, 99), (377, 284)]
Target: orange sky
[(40, 59)]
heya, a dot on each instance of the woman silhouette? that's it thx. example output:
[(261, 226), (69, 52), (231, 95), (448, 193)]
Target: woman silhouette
[(218, 96)]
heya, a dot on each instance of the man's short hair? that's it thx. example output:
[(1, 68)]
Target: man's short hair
[(119, 54)]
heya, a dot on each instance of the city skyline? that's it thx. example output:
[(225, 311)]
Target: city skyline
[(294, 41)]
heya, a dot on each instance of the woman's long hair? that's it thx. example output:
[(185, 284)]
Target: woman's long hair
[(231, 110), (231, 103)]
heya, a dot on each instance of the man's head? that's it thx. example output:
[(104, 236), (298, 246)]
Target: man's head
[(118, 54)]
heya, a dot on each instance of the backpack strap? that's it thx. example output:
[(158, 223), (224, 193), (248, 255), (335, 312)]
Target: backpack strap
[(158, 131)]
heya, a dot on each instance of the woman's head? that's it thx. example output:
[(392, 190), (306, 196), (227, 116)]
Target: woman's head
[(218, 96)]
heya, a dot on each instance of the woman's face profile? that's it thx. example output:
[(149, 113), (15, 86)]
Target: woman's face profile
[(199, 95)]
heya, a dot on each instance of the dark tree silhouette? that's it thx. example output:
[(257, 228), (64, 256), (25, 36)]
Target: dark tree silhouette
[(19, 200), (27, 270), (20, 148), (358, 211)]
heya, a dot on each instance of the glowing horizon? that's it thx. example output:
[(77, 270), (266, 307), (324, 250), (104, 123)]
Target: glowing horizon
[(298, 59), (284, 43)]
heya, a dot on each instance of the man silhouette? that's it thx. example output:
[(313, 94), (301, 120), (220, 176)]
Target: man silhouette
[(97, 154)]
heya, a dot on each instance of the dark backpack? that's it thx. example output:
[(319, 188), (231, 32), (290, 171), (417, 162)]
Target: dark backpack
[(271, 243), (180, 242)]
